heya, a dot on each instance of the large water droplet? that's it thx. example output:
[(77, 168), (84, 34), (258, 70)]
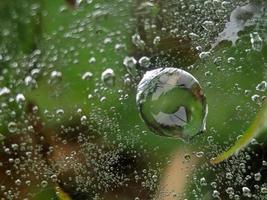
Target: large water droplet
[(172, 103)]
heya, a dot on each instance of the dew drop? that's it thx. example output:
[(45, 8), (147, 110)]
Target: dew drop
[(144, 62), (108, 77), (4, 91), (87, 76), (12, 127), (256, 41), (20, 98), (130, 64), (262, 86), (172, 103)]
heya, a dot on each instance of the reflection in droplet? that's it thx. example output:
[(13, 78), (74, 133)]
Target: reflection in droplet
[(172, 103)]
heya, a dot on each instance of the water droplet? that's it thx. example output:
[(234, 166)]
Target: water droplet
[(172, 103), (18, 182), (20, 98), (156, 40), (246, 192), (257, 176), (203, 181), (229, 175), (208, 25), (137, 41), (12, 127), (256, 41), (264, 190), (30, 82), (4, 91), (204, 55), (55, 77), (144, 62), (216, 194), (187, 157), (44, 183), (261, 86), (199, 154), (130, 64), (87, 76), (108, 77)]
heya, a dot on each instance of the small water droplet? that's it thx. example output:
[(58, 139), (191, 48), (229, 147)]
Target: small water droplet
[(144, 62), (256, 41), (87, 76), (108, 77), (12, 127), (261, 86), (130, 64)]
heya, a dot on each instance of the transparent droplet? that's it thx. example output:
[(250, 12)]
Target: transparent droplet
[(20, 98), (230, 191), (108, 77), (87, 76), (262, 86), (156, 40), (83, 120), (199, 154), (229, 175), (44, 184), (256, 41), (4, 91), (144, 62), (246, 192), (187, 157), (30, 82), (208, 25), (130, 64), (257, 176), (203, 181), (172, 103), (216, 194), (12, 127), (204, 55), (264, 190), (137, 41), (18, 182), (55, 77)]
